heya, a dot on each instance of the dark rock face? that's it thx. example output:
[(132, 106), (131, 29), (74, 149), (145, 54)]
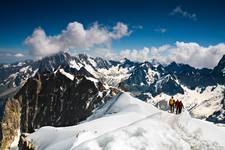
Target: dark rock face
[(50, 98), (221, 65), (219, 71), (168, 85), (84, 72), (51, 63), (190, 76), (162, 82), (127, 63), (114, 63), (101, 63), (55, 100), (137, 76), (218, 116)]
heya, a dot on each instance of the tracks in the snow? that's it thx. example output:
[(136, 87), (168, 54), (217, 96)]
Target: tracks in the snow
[(193, 138), (123, 127)]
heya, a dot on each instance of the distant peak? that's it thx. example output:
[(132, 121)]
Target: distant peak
[(222, 60), (173, 63), (125, 60)]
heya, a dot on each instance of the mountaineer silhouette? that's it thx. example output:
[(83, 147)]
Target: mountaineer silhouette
[(172, 103), (179, 106)]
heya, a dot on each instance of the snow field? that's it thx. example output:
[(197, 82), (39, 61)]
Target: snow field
[(126, 123)]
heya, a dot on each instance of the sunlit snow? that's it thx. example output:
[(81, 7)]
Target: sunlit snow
[(127, 123)]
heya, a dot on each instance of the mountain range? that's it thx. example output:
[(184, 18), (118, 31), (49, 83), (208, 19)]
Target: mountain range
[(63, 90)]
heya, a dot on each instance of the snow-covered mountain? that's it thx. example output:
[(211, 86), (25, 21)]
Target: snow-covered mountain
[(57, 94), (54, 89), (126, 123), (145, 80)]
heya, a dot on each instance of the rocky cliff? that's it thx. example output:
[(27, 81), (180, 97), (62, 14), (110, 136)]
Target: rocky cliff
[(10, 123), (51, 99)]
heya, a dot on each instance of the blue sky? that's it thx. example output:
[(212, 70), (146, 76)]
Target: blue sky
[(150, 23)]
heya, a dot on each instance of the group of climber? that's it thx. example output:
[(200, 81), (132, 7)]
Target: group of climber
[(175, 104)]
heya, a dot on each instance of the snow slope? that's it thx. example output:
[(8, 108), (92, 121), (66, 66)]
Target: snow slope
[(127, 123), (68, 75), (201, 104)]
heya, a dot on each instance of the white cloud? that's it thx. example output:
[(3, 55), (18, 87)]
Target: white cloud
[(161, 30), (110, 54), (190, 53), (12, 55), (96, 39), (105, 53), (187, 53), (178, 10), (19, 55), (119, 31), (75, 36), (135, 55)]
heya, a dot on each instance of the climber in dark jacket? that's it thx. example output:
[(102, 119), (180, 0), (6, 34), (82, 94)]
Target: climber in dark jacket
[(177, 106), (180, 106)]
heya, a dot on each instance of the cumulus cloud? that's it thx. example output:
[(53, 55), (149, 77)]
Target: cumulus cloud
[(135, 55), (138, 55), (75, 36), (187, 53), (103, 52), (97, 39), (179, 11), (190, 53), (119, 31)]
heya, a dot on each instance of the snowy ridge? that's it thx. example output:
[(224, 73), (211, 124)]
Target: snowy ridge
[(68, 75), (103, 110), (127, 123), (75, 65)]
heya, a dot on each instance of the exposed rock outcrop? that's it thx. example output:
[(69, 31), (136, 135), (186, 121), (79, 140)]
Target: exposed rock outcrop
[(54, 99), (10, 123)]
